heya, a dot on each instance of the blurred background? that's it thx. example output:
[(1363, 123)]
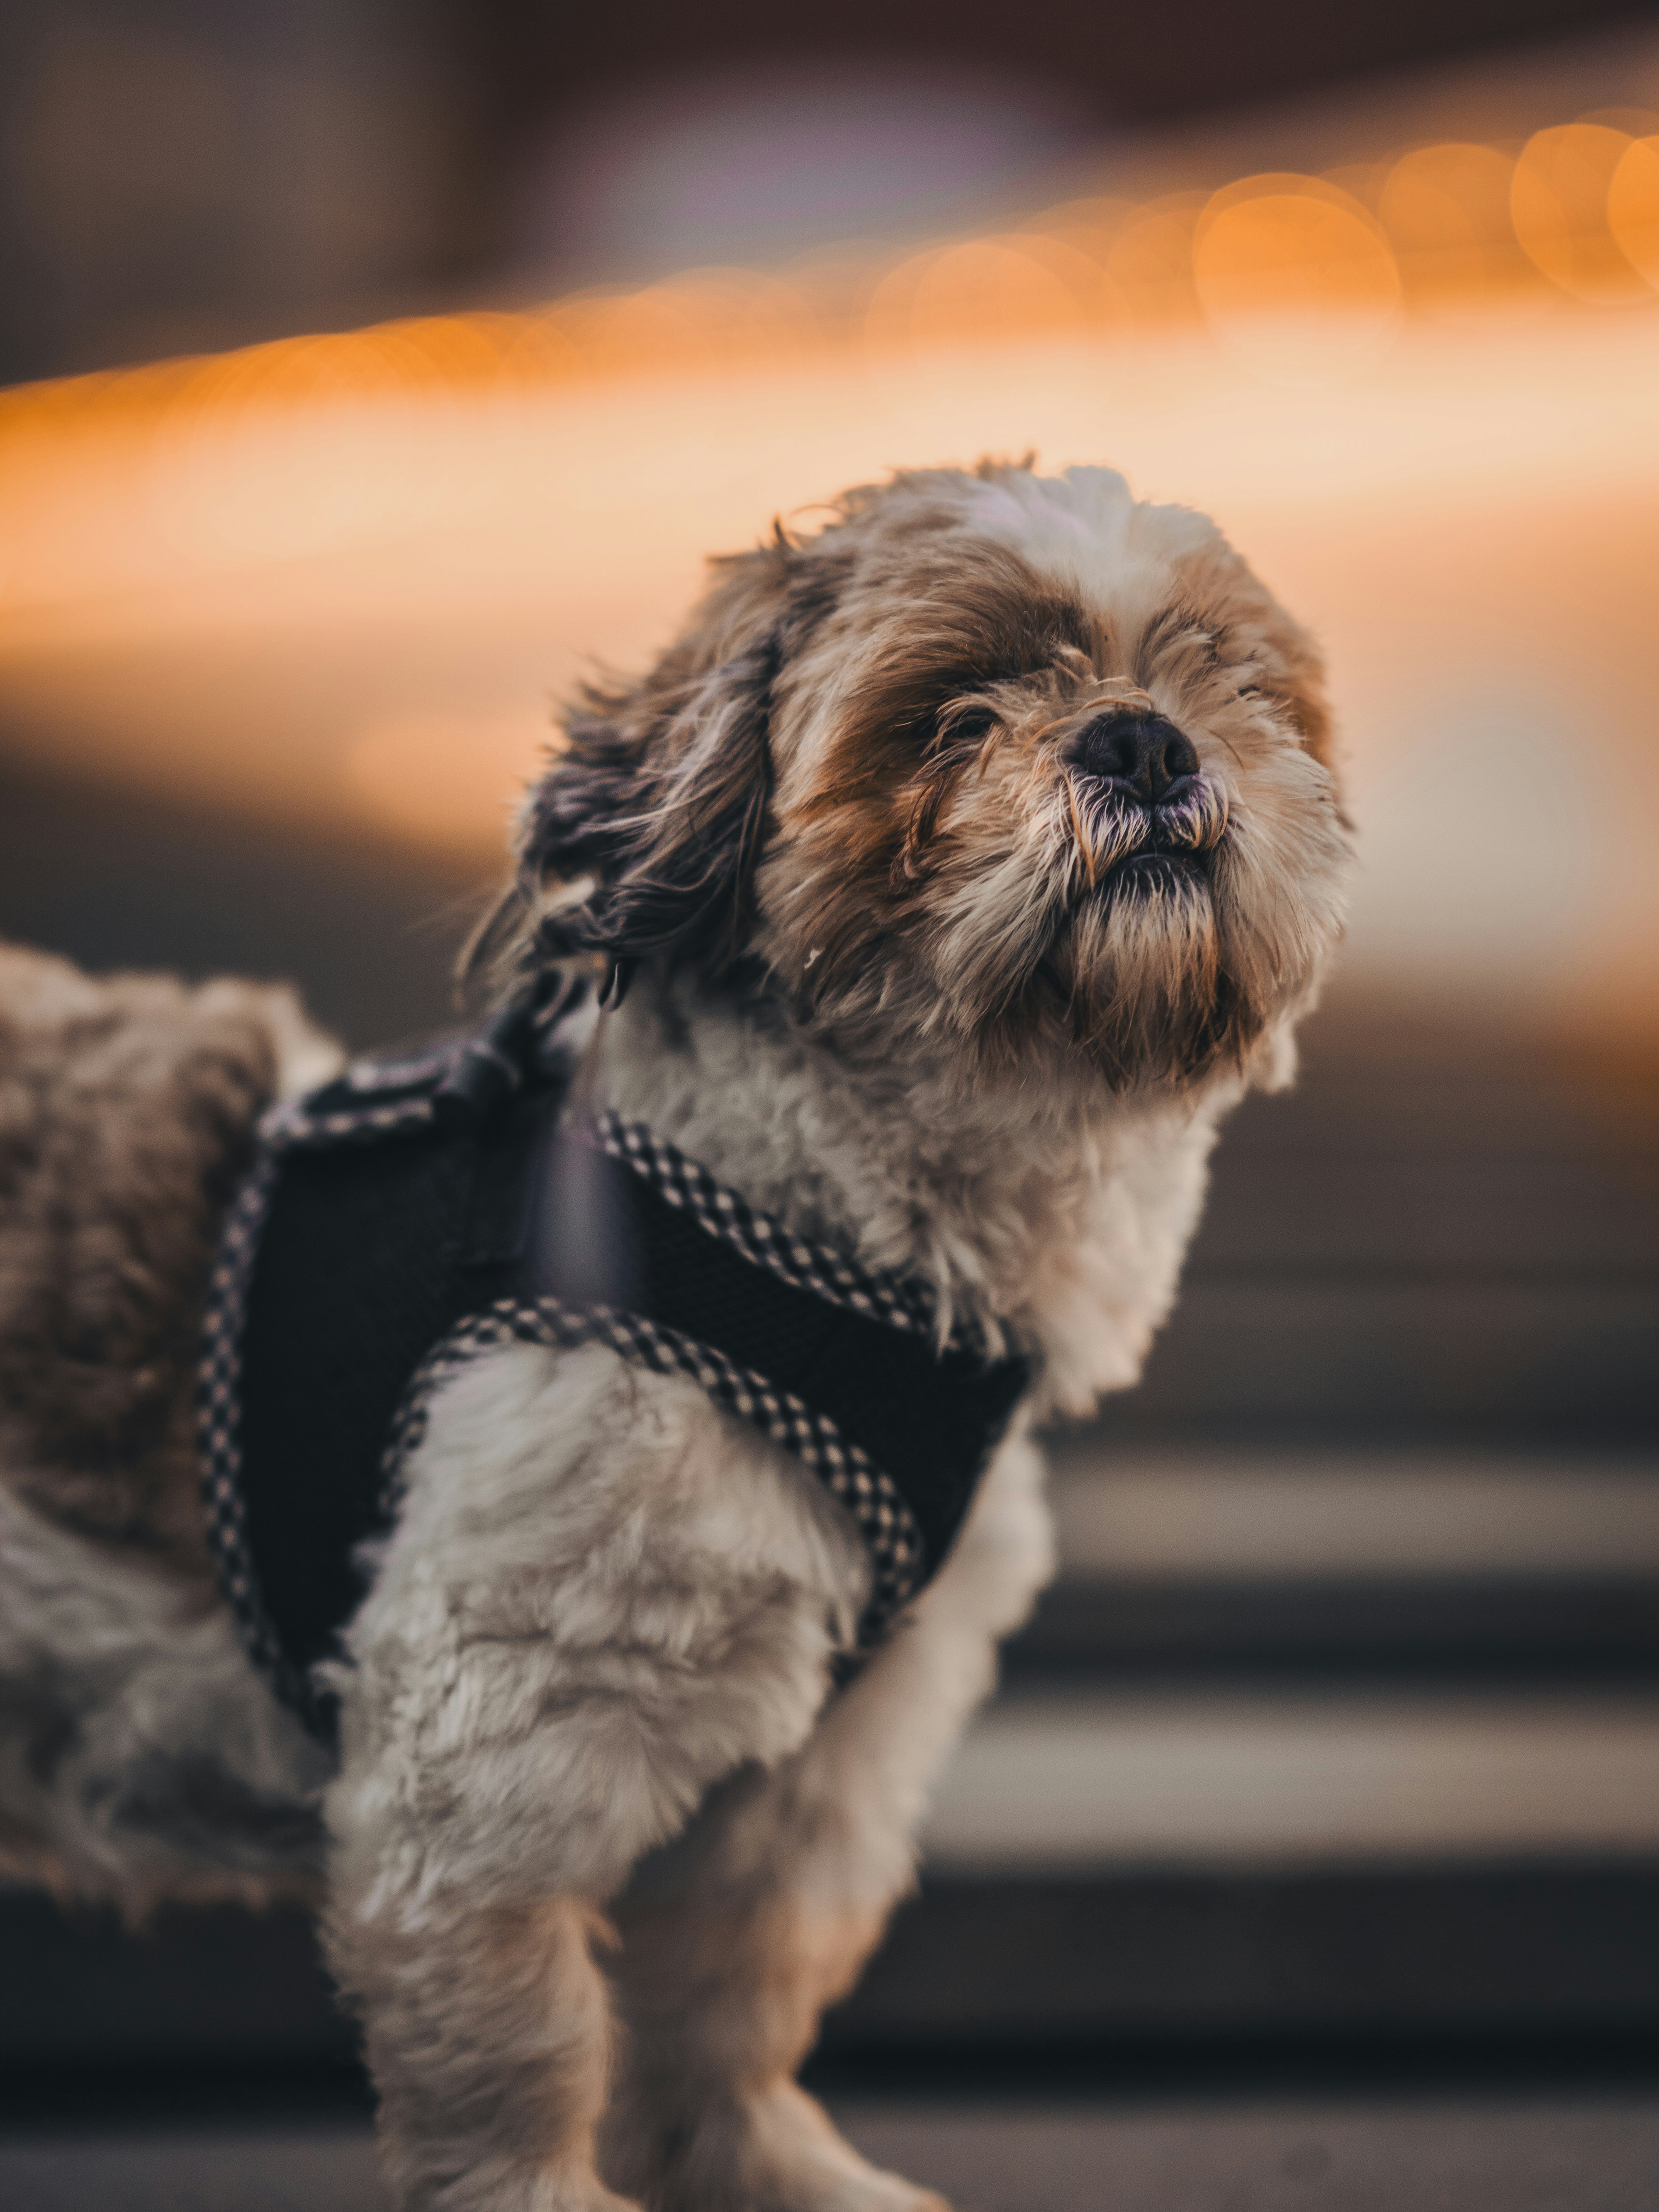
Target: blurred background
[(371, 369)]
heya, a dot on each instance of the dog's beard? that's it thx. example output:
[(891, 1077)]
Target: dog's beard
[(1105, 940), (1138, 970), (1137, 958)]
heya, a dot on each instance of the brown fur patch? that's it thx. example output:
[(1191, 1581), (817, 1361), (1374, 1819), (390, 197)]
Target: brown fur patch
[(126, 1110), (973, 617), (1254, 628)]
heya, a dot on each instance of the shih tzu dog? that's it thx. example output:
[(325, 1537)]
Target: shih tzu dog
[(617, 1421)]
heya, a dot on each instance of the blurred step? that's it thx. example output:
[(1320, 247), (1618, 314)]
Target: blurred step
[(1132, 1868), (1146, 1871), (1553, 1203), (1165, 1513), (1444, 1234), (1561, 1629), (1260, 1868), (1562, 2151), (218, 1987), (1236, 1779), (1424, 1564), (269, 2167), (1520, 1364), (1451, 2153), (1511, 1957)]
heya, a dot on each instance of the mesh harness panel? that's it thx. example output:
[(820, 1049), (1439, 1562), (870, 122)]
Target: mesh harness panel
[(398, 1224)]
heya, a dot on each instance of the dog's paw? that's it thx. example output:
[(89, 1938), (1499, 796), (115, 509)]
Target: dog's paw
[(505, 2185), (589, 2194), (779, 2153)]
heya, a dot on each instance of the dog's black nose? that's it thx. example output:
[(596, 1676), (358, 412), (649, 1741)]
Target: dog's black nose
[(1144, 754)]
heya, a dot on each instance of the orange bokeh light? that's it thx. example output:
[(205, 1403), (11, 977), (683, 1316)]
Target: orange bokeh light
[(1150, 261), (1559, 201), (1446, 210), (988, 290), (1633, 207), (1295, 277)]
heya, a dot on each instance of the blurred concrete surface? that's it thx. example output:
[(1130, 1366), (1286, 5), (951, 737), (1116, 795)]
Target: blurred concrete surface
[(1554, 2155), (1458, 2158)]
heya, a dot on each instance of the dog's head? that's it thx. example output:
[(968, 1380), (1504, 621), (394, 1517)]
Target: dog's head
[(995, 765)]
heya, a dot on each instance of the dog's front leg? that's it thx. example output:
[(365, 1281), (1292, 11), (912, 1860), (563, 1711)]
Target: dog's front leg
[(465, 1926), (601, 1599), (736, 1935), (488, 2033)]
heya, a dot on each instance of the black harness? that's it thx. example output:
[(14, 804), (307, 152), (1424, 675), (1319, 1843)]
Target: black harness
[(417, 1211)]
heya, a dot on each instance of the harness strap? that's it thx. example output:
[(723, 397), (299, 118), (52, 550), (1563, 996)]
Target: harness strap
[(418, 1212)]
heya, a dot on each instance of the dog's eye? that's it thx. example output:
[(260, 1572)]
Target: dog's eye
[(964, 728)]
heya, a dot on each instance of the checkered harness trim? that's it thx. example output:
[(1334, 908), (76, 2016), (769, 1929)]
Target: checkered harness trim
[(218, 1417), (884, 1521), (766, 1242)]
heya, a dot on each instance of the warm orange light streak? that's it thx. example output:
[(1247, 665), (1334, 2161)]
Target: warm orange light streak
[(991, 290), (1451, 216)]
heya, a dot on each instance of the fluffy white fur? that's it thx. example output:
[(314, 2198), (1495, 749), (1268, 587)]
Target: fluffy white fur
[(602, 1841)]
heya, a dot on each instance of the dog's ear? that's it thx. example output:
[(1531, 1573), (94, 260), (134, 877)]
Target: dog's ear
[(1296, 683), (1290, 671), (651, 816)]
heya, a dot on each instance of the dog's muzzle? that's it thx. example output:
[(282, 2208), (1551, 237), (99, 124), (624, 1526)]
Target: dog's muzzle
[(1143, 815)]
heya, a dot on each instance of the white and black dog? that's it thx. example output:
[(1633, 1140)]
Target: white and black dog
[(950, 876)]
